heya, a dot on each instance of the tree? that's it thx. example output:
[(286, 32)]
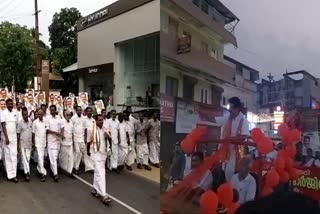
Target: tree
[(63, 39), (17, 56)]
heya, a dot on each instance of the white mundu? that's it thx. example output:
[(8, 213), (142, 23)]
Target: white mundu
[(88, 124), (25, 130), (39, 130), (131, 124), (79, 144), (112, 126), (123, 145), (99, 149), (66, 152), (154, 138), (10, 119), (54, 124), (142, 143)]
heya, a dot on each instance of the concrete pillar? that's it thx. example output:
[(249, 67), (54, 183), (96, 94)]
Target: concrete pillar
[(81, 83)]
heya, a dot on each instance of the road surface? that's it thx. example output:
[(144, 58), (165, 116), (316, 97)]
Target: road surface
[(73, 195)]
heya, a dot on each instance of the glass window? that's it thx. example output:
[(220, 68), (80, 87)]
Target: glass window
[(172, 86)]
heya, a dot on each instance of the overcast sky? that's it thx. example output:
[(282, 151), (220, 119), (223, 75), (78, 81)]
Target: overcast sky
[(275, 35), (20, 11)]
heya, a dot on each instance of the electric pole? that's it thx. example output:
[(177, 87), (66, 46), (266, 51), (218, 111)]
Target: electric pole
[(38, 57)]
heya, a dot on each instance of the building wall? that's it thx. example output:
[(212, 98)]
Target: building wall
[(96, 44), (198, 37)]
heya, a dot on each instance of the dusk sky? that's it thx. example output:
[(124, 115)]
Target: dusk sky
[(277, 35)]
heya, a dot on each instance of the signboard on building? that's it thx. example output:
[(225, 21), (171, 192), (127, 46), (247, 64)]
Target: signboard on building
[(187, 116), (278, 116), (191, 114), (308, 182), (184, 44), (167, 108)]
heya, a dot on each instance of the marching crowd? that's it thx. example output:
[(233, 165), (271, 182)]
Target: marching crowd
[(75, 136)]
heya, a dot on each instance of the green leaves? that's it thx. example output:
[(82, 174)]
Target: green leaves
[(16, 55), (63, 38)]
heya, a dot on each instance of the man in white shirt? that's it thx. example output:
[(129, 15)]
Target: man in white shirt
[(9, 120), (98, 150), (79, 144), (112, 127), (88, 124), (309, 160), (142, 144), (55, 126), (243, 182), (66, 154), (154, 139), (132, 146), (234, 124), (24, 131), (39, 138), (124, 142)]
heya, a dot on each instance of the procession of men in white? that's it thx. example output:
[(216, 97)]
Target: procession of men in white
[(67, 140)]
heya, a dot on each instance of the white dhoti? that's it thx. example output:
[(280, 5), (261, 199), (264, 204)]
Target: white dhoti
[(142, 154), (99, 177), (40, 159), (230, 165), (122, 154), (11, 160), (53, 157), (66, 158), (132, 154), (25, 159), (114, 155), (80, 151), (154, 152)]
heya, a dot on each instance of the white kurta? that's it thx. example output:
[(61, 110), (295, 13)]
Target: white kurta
[(131, 124), (39, 129), (309, 163), (54, 142), (142, 143), (10, 151), (66, 152), (25, 130), (88, 124), (112, 126), (99, 161), (123, 146), (154, 141), (231, 163)]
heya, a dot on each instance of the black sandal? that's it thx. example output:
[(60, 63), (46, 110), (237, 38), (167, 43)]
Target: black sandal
[(106, 201), (95, 194)]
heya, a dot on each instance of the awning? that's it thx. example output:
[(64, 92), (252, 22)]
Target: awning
[(56, 77), (70, 68)]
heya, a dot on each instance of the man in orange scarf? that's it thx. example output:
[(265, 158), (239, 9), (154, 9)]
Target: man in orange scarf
[(233, 124)]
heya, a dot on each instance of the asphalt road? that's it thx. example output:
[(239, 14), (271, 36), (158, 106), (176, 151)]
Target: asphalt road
[(73, 196)]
